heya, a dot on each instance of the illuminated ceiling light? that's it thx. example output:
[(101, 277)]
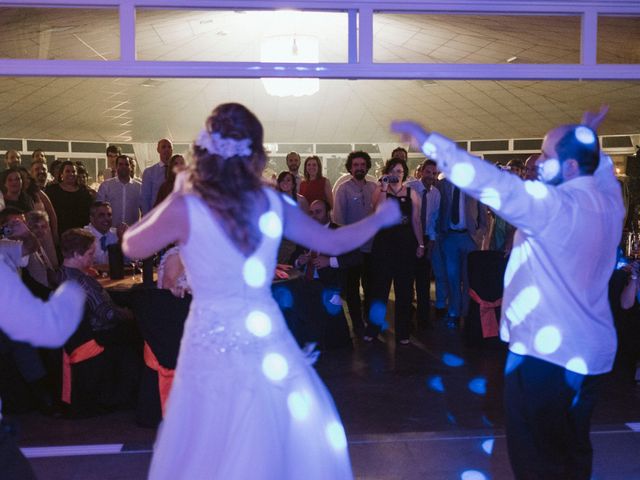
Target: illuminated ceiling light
[(290, 49)]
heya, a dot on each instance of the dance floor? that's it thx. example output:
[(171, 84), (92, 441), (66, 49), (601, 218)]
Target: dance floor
[(430, 410)]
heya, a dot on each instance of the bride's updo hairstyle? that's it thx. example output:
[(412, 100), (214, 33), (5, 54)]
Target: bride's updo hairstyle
[(229, 159)]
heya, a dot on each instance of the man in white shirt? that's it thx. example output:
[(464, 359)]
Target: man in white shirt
[(293, 164), (154, 176), (122, 192), (429, 209), (555, 309), (101, 218)]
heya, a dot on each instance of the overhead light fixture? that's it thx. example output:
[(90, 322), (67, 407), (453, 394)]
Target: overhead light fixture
[(512, 59), (290, 49)]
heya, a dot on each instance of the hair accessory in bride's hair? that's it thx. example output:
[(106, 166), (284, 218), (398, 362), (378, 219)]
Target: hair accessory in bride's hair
[(223, 147)]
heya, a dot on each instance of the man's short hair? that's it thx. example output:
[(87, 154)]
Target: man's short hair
[(114, 149), (9, 212), (428, 161), (358, 154), (33, 154), (400, 149), (327, 206), (96, 205), (586, 153), (76, 241)]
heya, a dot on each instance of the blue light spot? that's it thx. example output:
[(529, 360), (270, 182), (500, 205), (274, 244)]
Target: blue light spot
[(472, 475), (377, 314), (429, 149), (491, 198), (486, 421), (270, 224), (585, 135), (536, 189), (283, 297), (478, 385), (549, 169), (452, 360), (462, 174), (332, 301), (519, 348), (547, 340), (451, 418), (435, 384), (336, 436), (577, 365), (258, 323), (299, 404), (275, 366), (513, 362), (254, 272), (523, 304), (487, 446)]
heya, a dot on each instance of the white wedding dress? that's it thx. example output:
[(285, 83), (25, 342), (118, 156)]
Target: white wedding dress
[(245, 402)]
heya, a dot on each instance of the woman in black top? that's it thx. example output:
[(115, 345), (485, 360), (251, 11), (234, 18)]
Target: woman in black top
[(11, 186), (70, 200), (394, 253)]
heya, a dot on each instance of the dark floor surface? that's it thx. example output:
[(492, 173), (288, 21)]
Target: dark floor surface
[(432, 409)]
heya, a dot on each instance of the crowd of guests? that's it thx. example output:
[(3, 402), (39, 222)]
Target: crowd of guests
[(67, 228)]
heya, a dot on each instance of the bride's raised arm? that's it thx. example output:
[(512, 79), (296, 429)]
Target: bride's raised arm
[(167, 223), (302, 230)]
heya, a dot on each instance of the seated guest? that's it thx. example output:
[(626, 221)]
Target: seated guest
[(11, 186), (176, 165), (40, 265), (100, 226), (328, 324), (110, 380)]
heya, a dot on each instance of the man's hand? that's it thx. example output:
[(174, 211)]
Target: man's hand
[(410, 131), (321, 261), (594, 119)]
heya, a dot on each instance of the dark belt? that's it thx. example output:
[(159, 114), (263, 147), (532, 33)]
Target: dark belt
[(453, 230)]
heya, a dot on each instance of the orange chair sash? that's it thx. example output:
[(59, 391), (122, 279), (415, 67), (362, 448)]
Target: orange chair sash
[(165, 375), (488, 319), (84, 352)]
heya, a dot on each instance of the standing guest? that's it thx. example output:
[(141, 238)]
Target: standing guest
[(122, 192), (12, 159), (70, 201), (556, 314), (531, 168), (462, 227), (237, 358), (293, 164), (12, 191), (353, 202), (113, 152), (394, 252), (286, 183), (429, 209), (154, 176), (83, 179), (401, 153), (133, 166), (26, 319), (55, 170), (101, 227), (176, 165), (39, 173), (315, 186)]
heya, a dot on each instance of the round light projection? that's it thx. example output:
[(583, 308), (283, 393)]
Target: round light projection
[(518, 257), (254, 272), (462, 174), (577, 365), (478, 385), (299, 404), (472, 475), (429, 149), (275, 367), (537, 190), (523, 304), (547, 340), (336, 436), (585, 135), (258, 323), (491, 198), (270, 224), (549, 169), (519, 348), (487, 446), (452, 360), (435, 383)]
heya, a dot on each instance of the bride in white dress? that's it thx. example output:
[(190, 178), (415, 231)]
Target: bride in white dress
[(245, 403)]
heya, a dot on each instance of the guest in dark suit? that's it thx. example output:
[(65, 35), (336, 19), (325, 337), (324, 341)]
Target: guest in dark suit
[(325, 280), (462, 226)]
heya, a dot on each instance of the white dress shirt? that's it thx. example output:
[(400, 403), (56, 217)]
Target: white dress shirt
[(101, 257), (433, 206), (124, 199), (555, 305)]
